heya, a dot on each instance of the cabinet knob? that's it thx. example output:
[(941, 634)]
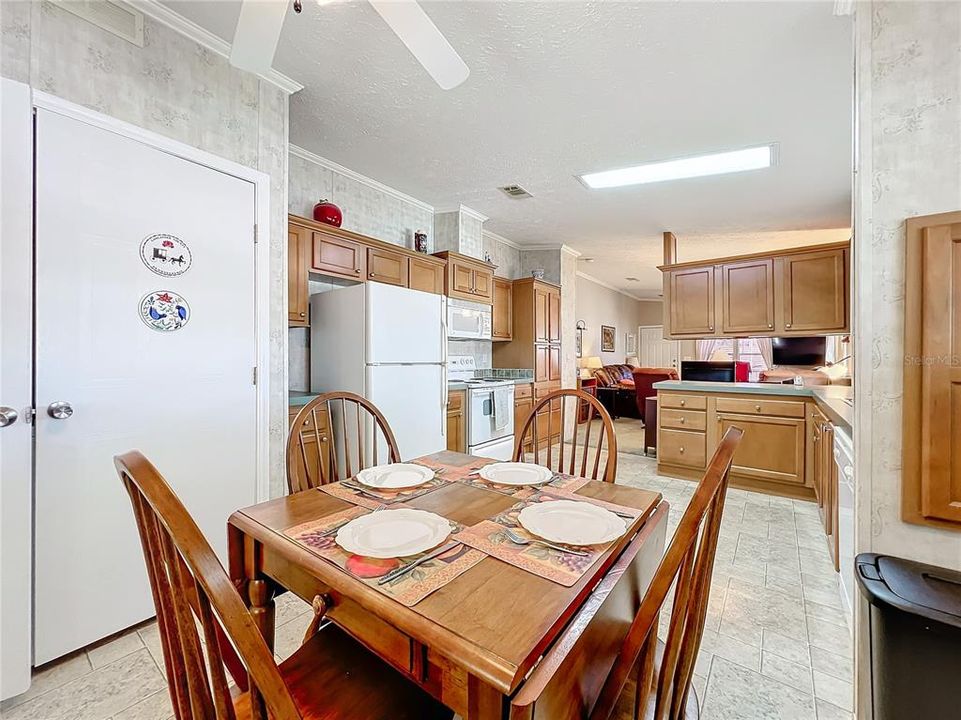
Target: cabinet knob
[(682, 403), (710, 327), (682, 450), (370, 274), (357, 271), (303, 314), (787, 325), (770, 325), (323, 438), (681, 420), (758, 408)]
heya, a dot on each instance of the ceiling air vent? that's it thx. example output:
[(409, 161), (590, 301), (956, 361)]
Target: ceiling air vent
[(113, 16), (515, 191)]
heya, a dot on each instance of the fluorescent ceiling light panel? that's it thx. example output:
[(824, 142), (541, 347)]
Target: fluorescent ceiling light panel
[(753, 158)]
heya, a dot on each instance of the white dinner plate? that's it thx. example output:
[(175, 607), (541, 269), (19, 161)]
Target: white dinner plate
[(571, 522), (393, 533), (516, 473), (396, 476)]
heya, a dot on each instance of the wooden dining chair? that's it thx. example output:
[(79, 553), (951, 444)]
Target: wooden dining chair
[(331, 676), (587, 670), (334, 436), (546, 424)]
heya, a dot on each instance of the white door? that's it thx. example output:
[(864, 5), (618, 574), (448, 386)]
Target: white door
[(185, 398), (655, 350), (16, 375), (404, 325), (413, 400)]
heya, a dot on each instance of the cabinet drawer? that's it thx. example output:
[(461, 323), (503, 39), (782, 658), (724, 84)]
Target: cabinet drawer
[(308, 424), (679, 447), (386, 640), (778, 408), (684, 402), (455, 400), (525, 390), (544, 389), (683, 419)]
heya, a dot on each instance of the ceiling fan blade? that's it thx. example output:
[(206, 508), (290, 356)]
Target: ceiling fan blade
[(257, 34), (425, 42)]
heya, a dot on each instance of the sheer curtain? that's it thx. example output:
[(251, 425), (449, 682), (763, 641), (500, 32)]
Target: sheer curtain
[(707, 348), (766, 349)]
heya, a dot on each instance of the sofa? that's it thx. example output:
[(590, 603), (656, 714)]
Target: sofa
[(624, 388), (615, 376)]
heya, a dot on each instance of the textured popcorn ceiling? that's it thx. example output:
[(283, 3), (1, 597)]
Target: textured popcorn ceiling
[(558, 88)]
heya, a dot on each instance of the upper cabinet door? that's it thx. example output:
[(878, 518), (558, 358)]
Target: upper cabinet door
[(814, 292), (338, 256), (484, 285), (541, 314), (747, 297), (692, 301), (554, 316), (387, 267), (298, 263), (501, 326), (425, 275), (462, 278)]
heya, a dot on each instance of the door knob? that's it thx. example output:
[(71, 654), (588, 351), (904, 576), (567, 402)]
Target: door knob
[(8, 416), (59, 410)]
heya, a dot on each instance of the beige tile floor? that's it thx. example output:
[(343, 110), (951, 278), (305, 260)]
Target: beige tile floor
[(776, 644)]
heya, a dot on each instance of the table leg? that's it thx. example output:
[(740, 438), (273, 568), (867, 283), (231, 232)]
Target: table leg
[(483, 701)]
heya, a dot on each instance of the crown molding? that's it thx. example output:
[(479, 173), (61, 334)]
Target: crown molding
[(357, 177), (188, 28), (553, 246), (464, 210), (632, 296), (502, 240)]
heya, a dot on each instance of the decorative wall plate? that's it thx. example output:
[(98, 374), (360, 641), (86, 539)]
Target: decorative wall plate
[(164, 311), (166, 255)]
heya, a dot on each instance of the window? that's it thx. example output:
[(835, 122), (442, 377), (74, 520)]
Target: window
[(756, 351)]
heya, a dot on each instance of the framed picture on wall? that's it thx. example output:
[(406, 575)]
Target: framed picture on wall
[(630, 344), (608, 333)]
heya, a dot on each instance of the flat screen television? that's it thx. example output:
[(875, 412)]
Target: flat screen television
[(804, 351), (707, 371)]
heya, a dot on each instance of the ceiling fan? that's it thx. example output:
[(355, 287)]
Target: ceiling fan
[(260, 23)]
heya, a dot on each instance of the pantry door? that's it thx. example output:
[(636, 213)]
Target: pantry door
[(144, 339)]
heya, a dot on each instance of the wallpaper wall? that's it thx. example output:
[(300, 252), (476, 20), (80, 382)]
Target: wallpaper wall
[(177, 88), (909, 104), (598, 305), (505, 257)]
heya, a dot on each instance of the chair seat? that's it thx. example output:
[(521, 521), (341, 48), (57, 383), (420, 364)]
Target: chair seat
[(334, 677), (624, 710)]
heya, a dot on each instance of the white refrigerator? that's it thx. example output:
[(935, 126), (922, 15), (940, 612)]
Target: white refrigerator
[(388, 344)]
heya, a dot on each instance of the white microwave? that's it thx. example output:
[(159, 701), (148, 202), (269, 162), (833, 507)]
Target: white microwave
[(468, 320)]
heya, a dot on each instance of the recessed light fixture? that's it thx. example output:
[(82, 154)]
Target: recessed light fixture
[(753, 158), (632, 279), (586, 259)]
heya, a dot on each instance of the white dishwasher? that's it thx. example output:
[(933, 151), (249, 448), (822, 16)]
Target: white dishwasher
[(844, 459)]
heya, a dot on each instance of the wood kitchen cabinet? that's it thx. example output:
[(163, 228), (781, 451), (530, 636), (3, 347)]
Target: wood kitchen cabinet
[(690, 301), (814, 290), (799, 291), (931, 440), (426, 274), (387, 266), (554, 315), (554, 362), (771, 449), (747, 296), (457, 421), (338, 256), (502, 319), (532, 328), (523, 404), (468, 278), (542, 331), (298, 259), (311, 436)]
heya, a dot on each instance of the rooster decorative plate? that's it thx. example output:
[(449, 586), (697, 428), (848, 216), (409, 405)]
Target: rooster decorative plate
[(164, 311)]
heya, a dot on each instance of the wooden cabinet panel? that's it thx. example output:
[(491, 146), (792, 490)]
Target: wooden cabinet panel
[(554, 316), (338, 256), (682, 419), (542, 363), (747, 296), (692, 301), (462, 278), (814, 291), (772, 448), (456, 421), (387, 267), (680, 447), (502, 322), (931, 441), (683, 402), (483, 285), (542, 331), (757, 406), (298, 264), (425, 275), (522, 408), (311, 437), (554, 362)]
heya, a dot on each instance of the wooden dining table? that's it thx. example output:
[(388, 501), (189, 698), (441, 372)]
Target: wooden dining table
[(472, 642)]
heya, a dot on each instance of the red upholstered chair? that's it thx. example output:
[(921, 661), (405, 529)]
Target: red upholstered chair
[(644, 379)]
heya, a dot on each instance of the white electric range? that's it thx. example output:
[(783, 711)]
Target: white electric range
[(490, 409)]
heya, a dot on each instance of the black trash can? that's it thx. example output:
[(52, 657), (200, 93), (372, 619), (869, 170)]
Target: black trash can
[(915, 630)]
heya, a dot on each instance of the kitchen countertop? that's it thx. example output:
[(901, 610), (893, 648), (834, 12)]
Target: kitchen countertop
[(297, 397), (833, 399)]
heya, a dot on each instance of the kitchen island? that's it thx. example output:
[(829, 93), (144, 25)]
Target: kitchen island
[(784, 424)]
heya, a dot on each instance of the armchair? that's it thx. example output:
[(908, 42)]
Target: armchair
[(644, 379)]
